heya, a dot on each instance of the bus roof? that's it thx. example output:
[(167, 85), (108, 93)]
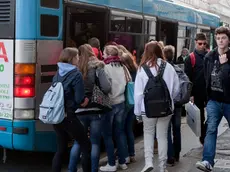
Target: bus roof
[(161, 8)]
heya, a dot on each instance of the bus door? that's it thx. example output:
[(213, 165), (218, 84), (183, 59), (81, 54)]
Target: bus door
[(83, 22), (167, 32)]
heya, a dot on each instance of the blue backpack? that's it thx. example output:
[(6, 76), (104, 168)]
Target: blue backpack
[(52, 108)]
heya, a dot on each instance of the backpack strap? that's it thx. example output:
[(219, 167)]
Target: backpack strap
[(147, 71), (193, 59), (161, 69)]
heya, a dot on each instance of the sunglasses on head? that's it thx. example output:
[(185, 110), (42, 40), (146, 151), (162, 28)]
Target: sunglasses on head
[(201, 43)]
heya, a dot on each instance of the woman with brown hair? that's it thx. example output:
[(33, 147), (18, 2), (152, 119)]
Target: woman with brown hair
[(72, 82), (127, 60), (153, 58), (89, 114)]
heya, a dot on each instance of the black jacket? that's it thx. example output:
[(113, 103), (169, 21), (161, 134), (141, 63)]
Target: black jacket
[(196, 76), (210, 59)]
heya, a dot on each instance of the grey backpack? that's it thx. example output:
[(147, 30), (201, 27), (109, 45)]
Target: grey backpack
[(184, 94), (52, 108)]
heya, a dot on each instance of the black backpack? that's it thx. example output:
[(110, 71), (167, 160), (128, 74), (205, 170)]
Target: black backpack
[(157, 99)]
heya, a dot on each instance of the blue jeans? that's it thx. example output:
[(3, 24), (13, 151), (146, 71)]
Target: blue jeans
[(174, 147), (115, 121), (215, 112), (94, 122), (129, 132)]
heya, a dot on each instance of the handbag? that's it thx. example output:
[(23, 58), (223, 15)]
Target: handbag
[(99, 99), (129, 91)]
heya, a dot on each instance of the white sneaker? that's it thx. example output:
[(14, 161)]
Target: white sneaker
[(108, 167), (147, 168), (204, 166), (123, 166), (127, 160)]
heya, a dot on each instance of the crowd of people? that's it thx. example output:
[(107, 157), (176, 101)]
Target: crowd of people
[(86, 69)]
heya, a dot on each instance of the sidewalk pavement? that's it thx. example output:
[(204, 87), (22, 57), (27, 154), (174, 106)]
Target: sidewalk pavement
[(222, 161), (190, 154)]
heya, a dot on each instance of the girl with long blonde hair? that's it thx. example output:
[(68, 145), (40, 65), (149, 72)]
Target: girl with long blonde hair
[(92, 70)]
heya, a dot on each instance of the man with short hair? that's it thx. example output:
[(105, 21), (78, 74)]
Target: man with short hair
[(194, 69), (217, 77)]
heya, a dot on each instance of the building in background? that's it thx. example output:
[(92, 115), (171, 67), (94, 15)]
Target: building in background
[(219, 7)]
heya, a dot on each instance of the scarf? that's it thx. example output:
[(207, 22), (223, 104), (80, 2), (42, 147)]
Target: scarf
[(112, 59)]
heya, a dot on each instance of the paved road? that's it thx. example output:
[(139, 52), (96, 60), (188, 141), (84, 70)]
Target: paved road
[(191, 152)]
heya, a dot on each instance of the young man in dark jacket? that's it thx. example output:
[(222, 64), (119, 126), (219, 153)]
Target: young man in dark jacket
[(217, 77), (195, 71)]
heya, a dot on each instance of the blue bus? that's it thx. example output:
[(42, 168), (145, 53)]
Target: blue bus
[(33, 32)]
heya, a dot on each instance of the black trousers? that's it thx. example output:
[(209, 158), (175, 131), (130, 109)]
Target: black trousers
[(74, 129)]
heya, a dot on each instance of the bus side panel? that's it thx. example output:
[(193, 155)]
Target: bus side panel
[(45, 138), (26, 21), (6, 136), (24, 135), (43, 12), (48, 52)]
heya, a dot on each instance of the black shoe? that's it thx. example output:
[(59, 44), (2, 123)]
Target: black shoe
[(177, 157), (171, 162)]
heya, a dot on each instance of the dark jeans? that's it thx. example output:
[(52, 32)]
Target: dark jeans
[(174, 145), (215, 112), (74, 129), (129, 132), (115, 121), (94, 123)]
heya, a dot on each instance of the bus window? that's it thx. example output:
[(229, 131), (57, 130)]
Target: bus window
[(49, 25), (133, 25), (84, 24), (133, 43), (50, 3), (117, 24)]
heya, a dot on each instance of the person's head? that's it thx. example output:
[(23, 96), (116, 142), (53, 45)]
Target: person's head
[(127, 60), (94, 42), (169, 52), (222, 35), (201, 42), (111, 43), (122, 50), (184, 52), (152, 52), (161, 43), (85, 55), (151, 40), (110, 50), (69, 55)]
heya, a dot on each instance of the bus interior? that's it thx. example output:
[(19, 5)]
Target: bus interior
[(83, 23), (167, 32)]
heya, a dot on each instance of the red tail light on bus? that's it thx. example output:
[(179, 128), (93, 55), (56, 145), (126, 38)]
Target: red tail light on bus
[(24, 80), (24, 92)]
